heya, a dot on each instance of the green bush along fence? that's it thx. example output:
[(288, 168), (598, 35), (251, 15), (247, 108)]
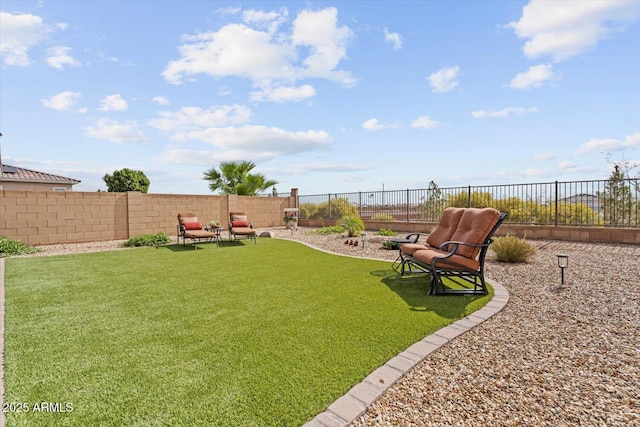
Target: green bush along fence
[(600, 203)]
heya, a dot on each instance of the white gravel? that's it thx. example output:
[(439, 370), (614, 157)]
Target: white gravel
[(555, 356)]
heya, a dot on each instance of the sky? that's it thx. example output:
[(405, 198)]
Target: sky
[(323, 96)]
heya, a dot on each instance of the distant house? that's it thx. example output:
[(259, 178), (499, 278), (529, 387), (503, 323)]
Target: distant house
[(589, 200), (15, 178)]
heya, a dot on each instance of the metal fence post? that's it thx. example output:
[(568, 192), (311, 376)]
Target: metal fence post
[(556, 203), (408, 205)]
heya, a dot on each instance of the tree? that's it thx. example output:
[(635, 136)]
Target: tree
[(616, 199), (235, 178), (126, 180)]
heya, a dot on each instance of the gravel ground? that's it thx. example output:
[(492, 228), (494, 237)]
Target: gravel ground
[(555, 356)]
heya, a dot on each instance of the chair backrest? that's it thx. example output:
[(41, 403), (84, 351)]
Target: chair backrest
[(238, 219), (187, 217), (475, 226), (446, 227), (189, 220)]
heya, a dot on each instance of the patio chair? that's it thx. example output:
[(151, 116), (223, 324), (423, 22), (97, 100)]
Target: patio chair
[(240, 227), (444, 230), (189, 227), (462, 256)]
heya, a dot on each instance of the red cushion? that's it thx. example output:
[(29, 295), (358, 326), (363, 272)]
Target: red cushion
[(192, 225), (239, 223)]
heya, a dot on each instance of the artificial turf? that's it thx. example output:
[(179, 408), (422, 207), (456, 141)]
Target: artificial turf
[(247, 335)]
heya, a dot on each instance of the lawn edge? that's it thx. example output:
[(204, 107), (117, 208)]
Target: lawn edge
[(355, 402)]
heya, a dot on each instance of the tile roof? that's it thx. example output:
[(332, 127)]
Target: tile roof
[(16, 174)]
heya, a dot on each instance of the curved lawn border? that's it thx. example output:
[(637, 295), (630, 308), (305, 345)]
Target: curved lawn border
[(355, 402)]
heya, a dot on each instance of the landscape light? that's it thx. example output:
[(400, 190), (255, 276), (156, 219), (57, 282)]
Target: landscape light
[(563, 262)]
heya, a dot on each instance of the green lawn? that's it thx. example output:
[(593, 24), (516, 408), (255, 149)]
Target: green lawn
[(267, 334)]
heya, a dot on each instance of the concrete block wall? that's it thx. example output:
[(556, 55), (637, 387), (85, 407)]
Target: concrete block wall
[(47, 217)]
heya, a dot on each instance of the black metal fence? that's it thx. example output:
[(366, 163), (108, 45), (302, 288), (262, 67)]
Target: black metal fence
[(592, 203)]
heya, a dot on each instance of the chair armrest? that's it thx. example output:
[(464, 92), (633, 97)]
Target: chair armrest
[(456, 245), (409, 238), (416, 236)]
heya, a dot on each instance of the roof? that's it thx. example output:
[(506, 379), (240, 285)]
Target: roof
[(16, 174)]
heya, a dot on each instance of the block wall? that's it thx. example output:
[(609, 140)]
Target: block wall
[(47, 217)]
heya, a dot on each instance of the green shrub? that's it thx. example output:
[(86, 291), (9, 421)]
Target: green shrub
[(334, 229), (381, 217), (385, 232), (335, 208), (15, 247), (353, 224), (148, 240), (512, 249), (388, 244)]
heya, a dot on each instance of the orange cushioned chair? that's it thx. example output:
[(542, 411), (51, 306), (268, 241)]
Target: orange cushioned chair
[(240, 227), (189, 227), (458, 252)]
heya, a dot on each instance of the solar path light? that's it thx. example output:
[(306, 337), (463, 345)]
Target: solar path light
[(563, 262)]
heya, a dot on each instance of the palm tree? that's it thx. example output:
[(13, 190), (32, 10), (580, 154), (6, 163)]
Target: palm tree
[(235, 178)]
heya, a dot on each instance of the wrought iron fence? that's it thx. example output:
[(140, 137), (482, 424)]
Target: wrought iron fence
[(592, 203)]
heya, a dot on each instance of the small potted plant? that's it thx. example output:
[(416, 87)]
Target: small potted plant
[(291, 221)]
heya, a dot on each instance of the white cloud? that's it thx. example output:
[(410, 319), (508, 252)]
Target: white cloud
[(58, 57), (373, 125), (561, 29), (63, 101), (195, 118), (255, 143), (18, 33), (393, 38), (161, 100), (318, 31), (261, 139), (505, 112), (610, 144), (535, 77), (283, 94), (566, 165), (269, 21), (265, 57), (113, 103), (544, 156), (444, 79), (111, 130), (425, 122)]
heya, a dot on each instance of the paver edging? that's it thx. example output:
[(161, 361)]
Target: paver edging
[(355, 402)]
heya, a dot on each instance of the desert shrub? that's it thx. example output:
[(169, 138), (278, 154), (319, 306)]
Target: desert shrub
[(477, 199), (334, 229), (353, 224), (512, 249), (148, 240), (309, 211), (15, 247), (382, 217), (385, 232), (389, 244)]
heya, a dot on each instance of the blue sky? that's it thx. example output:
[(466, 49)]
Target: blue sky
[(323, 96)]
